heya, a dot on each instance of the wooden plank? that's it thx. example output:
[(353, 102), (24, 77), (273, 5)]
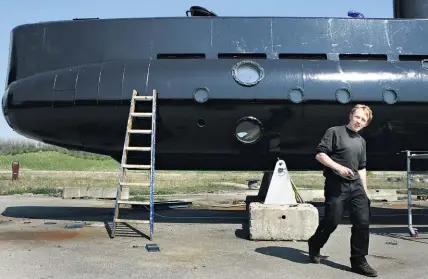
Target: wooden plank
[(138, 148), (135, 184), (141, 114), (140, 132), (142, 167)]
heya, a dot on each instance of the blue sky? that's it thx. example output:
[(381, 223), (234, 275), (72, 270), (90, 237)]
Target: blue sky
[(19, 12)]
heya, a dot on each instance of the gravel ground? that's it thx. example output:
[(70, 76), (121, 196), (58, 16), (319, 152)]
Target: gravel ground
[(204, 243)]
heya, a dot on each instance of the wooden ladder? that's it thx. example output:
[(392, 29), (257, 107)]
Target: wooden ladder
[(124, 164)]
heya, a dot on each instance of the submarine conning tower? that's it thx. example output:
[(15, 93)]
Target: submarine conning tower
[(411, 9)]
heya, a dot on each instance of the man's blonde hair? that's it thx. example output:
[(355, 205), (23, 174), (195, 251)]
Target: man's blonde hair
[(367, 111)]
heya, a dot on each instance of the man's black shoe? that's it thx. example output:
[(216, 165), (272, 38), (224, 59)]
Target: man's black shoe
[(364, 268), (314, 254)]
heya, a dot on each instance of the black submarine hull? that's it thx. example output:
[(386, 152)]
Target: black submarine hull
[(70, 84)]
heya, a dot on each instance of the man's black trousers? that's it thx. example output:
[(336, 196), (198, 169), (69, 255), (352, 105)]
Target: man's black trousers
[(340, 194)]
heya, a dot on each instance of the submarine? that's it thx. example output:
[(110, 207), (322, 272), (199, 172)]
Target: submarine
[(234, 93)]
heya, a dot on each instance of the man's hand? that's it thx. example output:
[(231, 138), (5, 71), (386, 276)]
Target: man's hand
[(344, 171), (328, 162)]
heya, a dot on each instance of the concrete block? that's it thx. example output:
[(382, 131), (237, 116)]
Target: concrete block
[(383, 195), (309, 195), (282, 222), (93, 192), (125, 194), (73, 192), (110, 193), (250, 199)]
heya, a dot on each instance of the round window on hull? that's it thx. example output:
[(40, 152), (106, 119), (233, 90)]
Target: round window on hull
[(390, 96), (248, 130), (201, 95), (343, 95), (296, 95), (247, 73)]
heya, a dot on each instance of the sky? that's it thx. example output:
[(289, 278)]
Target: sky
[(17, 12)]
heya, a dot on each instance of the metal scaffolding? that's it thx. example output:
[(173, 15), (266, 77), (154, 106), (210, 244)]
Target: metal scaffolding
[(413, 155)]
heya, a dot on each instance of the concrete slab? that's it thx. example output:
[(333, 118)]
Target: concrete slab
[(309, 195), (93, 193), (282, 222), (73, 192), (388, 195)]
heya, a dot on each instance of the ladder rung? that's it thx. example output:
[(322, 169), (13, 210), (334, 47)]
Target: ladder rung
[(131, 221), (143, 167), (138, 148), (141, 114), (130, 202), (140, 131), (143, 98), (134, 184)]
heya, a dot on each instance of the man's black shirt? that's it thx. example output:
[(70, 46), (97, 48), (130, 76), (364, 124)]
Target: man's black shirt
[(345, 147)]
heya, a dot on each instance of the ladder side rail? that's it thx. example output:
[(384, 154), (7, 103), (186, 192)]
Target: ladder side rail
[(152, 162), (409, 193), (123, 162)]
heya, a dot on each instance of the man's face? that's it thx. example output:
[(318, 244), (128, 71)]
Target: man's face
[(358, 120)]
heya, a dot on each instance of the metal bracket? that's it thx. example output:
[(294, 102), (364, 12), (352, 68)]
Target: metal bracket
[(280, 188)]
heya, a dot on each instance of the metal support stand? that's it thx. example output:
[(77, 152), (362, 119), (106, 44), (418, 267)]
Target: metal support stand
[(413, 231), (276, 188), (280, 188)]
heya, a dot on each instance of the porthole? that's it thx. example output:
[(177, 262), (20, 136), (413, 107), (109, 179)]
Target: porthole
[(390, 96), (201, 122), (248, 130), (424, 63), (201, 95), (343, 96), (247, 73), (296, 95)]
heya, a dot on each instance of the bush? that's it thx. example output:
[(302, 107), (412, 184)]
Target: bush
[(14, 147)]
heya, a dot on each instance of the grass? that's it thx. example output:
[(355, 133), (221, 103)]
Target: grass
[(46, 170), (56, 161), (15, 147), (52, 182), (183, 182)]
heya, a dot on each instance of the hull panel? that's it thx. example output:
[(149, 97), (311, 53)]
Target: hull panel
[(72, 88)]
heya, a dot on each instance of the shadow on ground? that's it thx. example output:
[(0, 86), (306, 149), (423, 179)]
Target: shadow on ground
[(227, 215), (98, 214), (402, 233), (380, 216), (297, 256)]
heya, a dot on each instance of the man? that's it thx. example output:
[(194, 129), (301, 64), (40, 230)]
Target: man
[(343, 153)]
